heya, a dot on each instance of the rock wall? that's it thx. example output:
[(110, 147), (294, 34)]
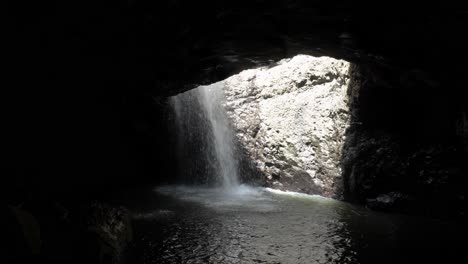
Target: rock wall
[(406, 146), (46, 231), (290, 121)]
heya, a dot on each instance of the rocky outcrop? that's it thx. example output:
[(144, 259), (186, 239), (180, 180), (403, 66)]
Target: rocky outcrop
[(406, 147), (112, 229), (290, 120), (52, 232)]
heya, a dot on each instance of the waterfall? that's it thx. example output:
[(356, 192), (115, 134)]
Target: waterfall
[(206, 140)]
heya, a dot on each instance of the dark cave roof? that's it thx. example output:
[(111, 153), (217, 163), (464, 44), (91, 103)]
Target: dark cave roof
[(164, 47)]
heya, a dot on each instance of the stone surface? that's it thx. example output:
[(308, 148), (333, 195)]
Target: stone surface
[(112, 229), (290, 120), (405, 148)]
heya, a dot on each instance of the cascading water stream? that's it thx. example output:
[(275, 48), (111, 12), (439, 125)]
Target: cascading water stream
[(203, 128)]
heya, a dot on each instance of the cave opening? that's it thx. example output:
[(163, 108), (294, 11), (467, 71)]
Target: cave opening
[(281, 126)]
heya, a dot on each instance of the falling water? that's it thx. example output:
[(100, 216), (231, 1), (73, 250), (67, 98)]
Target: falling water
[(206, 144)]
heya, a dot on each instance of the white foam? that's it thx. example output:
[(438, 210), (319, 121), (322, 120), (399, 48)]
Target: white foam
[(240, 197), (298, 195)]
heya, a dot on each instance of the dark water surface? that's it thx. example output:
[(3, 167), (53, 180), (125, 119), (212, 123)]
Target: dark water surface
[(177, 224)]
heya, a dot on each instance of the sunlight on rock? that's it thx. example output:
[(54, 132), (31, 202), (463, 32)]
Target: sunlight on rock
[(290, 120)]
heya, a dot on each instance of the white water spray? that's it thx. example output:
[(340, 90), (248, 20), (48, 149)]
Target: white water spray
[(203, 127)]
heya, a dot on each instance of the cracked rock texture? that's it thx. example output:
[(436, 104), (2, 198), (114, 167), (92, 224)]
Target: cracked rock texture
[(405, 148), (290, 120)]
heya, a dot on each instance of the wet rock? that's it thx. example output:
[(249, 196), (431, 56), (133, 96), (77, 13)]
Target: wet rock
[(112, 231), (30, 229), (290, 120), (388, 201), (398, 143), (21, 235)]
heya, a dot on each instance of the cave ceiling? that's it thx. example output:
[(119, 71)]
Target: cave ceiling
[(165, 47)]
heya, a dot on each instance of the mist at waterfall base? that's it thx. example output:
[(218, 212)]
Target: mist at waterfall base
[(212, 218)]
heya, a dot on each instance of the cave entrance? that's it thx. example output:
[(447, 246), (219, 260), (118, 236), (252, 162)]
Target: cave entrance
[(281, 126)]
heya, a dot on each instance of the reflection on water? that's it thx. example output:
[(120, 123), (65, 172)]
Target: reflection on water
[(256, 225)]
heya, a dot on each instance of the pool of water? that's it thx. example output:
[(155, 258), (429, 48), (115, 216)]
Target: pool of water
[(179, 224)]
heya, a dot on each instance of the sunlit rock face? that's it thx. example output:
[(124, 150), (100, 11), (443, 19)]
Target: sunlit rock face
[(290, 120)]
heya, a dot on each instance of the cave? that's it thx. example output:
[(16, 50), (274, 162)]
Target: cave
[(254, 131)]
